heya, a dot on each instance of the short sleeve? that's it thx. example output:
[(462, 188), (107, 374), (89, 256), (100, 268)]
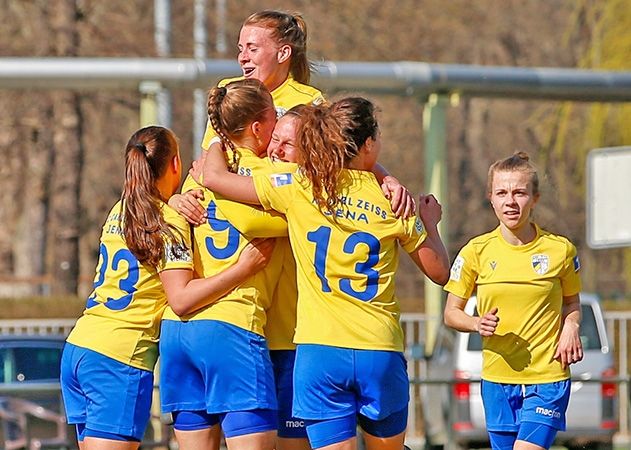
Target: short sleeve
[(276, 191), (415, 234), (570, 277), (464, 273), (177, 250)]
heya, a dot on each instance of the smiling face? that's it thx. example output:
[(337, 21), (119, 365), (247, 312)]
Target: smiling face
[(513, 199), (282, 147), (261, 57)]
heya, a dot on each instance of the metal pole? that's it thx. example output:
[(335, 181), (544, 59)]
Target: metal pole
[(149, 102), (220, 13), (622, 440), (435, 131), (199, 95), (162, 37)]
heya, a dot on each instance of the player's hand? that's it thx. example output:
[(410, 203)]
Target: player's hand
[(256, 254), (429, 210), (197, 168), (401, 200), (189, 207), (488, 323), (570, 348)]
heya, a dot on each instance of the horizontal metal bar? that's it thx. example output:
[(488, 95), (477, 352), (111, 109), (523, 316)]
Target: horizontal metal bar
[(617, 380), (401, 78)]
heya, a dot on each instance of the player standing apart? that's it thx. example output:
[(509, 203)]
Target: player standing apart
[(528, 287)]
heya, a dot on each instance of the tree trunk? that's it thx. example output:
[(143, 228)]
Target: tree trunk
[(68, 161), (30, 243)]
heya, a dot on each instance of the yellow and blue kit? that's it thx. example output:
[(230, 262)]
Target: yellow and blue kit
[(346, 264), (122, 315), (347, 309), (527, 284), (219, 351), (107, 364)]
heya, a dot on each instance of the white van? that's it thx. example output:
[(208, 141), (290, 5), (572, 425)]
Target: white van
[(453, 412)]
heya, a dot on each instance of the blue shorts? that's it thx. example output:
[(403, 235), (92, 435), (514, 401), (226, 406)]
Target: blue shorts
[(289, 426), (104, 394), (507, 406), (337, 382), (213, 366), (234, 423)]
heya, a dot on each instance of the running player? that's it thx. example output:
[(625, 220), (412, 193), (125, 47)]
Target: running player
[(145, 259), (528, 287), (344, 237)]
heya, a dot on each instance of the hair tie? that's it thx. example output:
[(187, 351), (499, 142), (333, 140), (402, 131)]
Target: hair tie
[(140, 146), (222, 91)]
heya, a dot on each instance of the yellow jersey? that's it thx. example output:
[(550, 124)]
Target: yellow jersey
[(527, 284), (122, 315), (345, 265), (285, 97), (217, 245), (281, 315)]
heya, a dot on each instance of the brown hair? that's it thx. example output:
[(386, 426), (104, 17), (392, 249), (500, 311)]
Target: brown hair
[(288, 29), (147, 156), (328, 137), (518, 162), (231, 109)]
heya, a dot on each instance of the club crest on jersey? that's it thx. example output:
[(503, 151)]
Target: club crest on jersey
[(493, 265), (540, 263), (281, 179)]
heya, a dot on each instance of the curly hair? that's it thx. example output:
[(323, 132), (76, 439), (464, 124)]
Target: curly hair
[(329, 136)]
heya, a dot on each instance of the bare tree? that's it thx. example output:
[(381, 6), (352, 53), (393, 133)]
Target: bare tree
[(67, 160)]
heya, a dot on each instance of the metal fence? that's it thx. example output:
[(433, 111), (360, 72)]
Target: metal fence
[(414, 326)]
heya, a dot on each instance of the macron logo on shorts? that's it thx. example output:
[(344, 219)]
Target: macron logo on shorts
[(548, 412)]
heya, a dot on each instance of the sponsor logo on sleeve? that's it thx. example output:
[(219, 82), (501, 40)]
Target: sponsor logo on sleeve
[(577, 263), (281, 179), (456, 268), (175, 252), (418, 225)]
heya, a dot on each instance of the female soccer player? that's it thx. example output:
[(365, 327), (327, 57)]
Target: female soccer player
[(528, 287), (344, 237), (145, 259), (273, 49), (216, 368)]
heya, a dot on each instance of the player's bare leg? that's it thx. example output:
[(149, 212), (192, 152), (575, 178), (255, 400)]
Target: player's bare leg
[(206, 439), (92, 443), (525, 445), (389, 443), (254, 441), (349, 444), (292, 444)]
